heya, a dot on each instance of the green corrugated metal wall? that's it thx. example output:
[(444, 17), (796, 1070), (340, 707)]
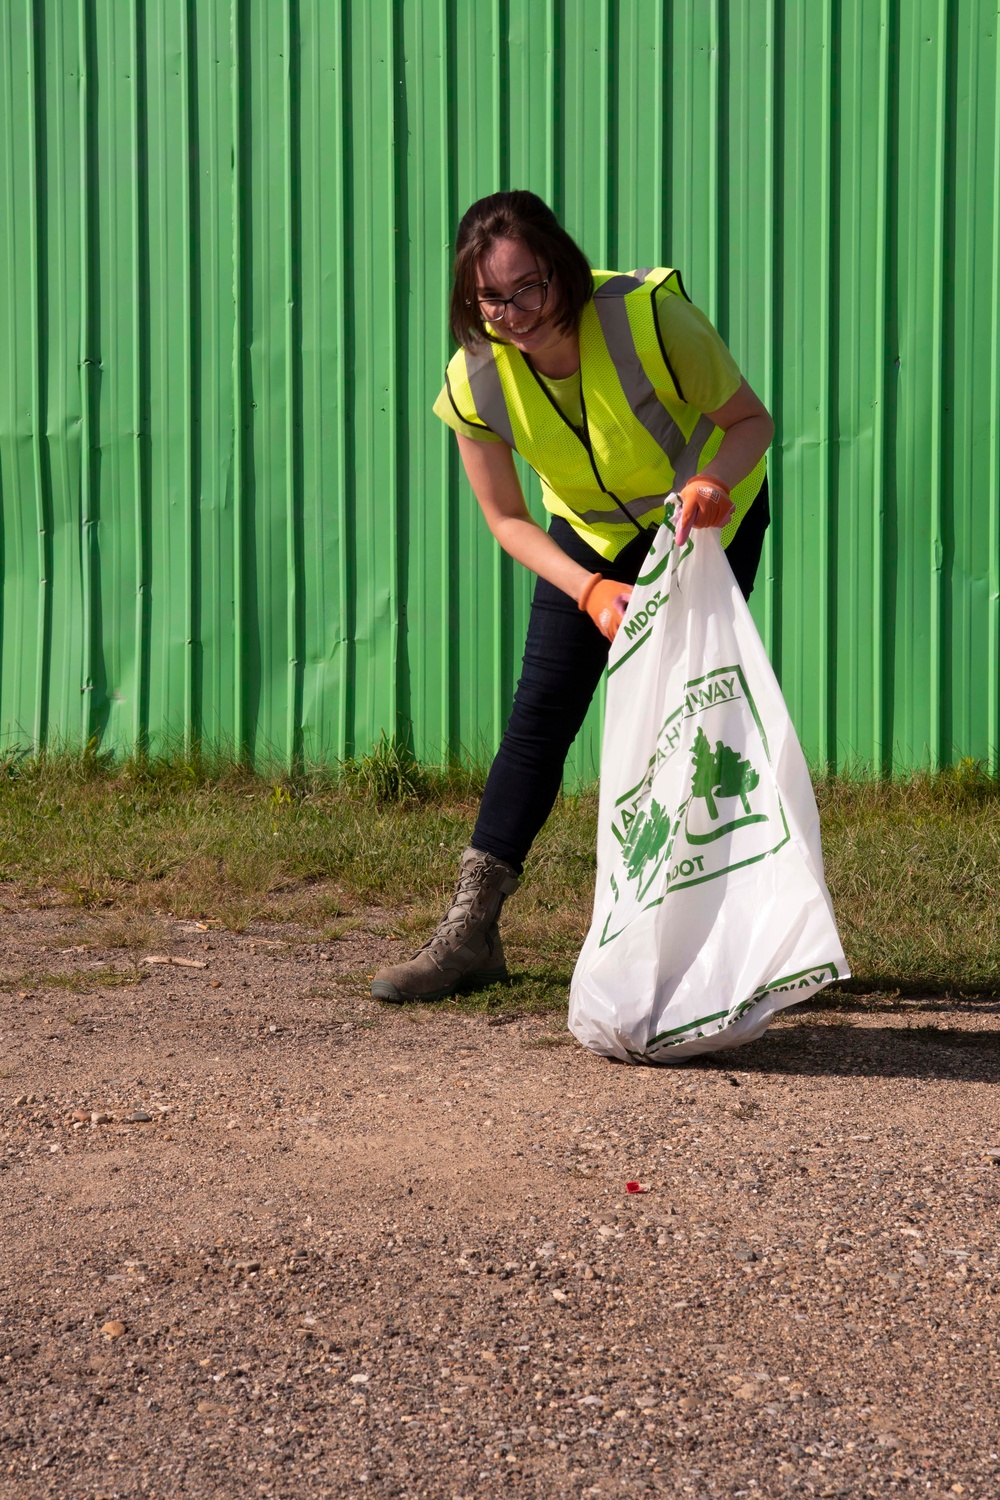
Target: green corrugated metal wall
[(225, 225)]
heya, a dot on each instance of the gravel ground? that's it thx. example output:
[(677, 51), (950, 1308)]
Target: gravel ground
[(263, 1238)]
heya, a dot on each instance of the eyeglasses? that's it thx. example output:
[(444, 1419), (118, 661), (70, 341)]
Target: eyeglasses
[(525, 299)]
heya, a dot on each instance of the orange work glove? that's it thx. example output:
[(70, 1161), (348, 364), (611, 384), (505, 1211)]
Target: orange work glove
[(704, 502), (605, 602)]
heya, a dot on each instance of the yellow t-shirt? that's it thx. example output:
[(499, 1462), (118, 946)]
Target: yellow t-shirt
[(567, 395), (705, 370)]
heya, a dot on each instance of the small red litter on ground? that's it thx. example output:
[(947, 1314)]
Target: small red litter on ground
[(636, 1187)]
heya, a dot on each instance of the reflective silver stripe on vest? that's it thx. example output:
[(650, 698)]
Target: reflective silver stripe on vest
[(687, 463), (647, 407), (487, 393), (635, 508), (617, 286)]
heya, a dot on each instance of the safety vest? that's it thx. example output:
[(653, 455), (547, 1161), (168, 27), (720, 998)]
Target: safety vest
[(639, 439)]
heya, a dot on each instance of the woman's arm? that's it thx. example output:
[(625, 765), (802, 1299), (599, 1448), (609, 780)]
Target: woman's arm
[(490, 467), (747, 431)]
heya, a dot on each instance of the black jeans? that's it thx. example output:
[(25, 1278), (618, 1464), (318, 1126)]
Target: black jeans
[(564, 656)]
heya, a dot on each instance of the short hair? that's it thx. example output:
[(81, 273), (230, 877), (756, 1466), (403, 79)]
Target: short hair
[(517, 215)]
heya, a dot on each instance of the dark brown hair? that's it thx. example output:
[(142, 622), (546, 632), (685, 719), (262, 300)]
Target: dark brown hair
[(521, 216)]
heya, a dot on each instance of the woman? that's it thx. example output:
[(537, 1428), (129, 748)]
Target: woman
[(617, 391)]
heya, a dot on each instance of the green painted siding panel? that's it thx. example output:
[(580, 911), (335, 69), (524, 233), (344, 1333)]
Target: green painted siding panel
[(58, 243), (325, 580), (121, 493), (858, 358), (216, 413), (226, 227), (18, 392), (430, 493)]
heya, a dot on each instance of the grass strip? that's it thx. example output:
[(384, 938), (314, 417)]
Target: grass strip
[(913, 865)]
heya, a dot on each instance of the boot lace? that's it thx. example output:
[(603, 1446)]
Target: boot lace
[(460, 918)]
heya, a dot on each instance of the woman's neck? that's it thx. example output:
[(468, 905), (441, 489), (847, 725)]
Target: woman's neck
[(560, 360)]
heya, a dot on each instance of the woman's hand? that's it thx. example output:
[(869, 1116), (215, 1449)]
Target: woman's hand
[(704, 502), (605, 602)]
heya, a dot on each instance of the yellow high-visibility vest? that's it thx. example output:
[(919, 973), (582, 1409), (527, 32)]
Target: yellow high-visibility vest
[(639, 439)]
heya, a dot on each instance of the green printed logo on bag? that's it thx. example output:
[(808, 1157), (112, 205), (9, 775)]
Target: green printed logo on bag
[(706, 806), (638, 625)]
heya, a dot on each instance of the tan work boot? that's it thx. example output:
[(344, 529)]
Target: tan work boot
[(465, 952)]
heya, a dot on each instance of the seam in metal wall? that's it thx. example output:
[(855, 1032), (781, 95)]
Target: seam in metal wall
[(227, 514)]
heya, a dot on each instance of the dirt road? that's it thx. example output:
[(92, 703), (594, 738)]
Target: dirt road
[(263, 1238)]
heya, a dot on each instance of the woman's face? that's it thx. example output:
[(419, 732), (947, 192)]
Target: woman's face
[(506, 268)]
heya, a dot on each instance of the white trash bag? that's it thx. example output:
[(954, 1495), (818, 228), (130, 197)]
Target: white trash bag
[(711, 911)]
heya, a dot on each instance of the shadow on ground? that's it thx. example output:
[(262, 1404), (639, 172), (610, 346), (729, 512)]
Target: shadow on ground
[(872, 992), (840, 1049)]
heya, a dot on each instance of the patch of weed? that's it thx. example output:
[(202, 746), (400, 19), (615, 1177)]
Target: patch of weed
[(124, 929), (332, 932), (81, 981), (389, 774)]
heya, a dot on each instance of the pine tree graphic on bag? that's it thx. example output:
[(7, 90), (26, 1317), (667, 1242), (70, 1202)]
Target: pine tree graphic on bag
[(646, 838), (721, 773)]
